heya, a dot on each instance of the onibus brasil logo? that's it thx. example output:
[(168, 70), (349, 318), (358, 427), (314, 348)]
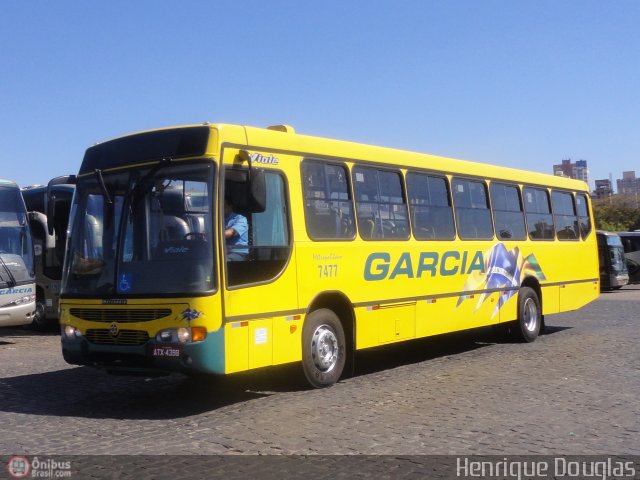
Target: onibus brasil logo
[(21, 467)]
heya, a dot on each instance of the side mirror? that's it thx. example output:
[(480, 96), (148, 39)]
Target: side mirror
[(40, 219), (257, 191), (51, 198)]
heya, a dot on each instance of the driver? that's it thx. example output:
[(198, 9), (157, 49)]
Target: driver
[(236, 233)]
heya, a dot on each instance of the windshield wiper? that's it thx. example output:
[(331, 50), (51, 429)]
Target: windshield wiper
[(103, 186), (12, 280), (105, 195), (145, 183)]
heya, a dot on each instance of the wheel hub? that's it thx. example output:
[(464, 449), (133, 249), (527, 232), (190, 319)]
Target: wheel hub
[(324, 348), (530, 315)]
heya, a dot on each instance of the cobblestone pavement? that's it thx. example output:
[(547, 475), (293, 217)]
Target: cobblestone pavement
[(573, 391)]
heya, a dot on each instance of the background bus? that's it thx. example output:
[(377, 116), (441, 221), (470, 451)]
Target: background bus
[(17, 288), (613, 268), (631, 245), (349, 247), (49, 240)]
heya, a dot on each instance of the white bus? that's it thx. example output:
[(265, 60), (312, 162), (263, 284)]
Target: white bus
[(17, 275)]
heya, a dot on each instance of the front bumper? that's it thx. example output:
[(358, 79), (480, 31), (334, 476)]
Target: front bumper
[(17, 315), (619, 280), (206, 356)]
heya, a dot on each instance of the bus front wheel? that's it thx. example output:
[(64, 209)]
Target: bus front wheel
[(323, 348), (39, 321), (529, 316)]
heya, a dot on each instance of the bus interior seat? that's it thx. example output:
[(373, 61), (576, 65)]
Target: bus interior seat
[(93, 234), (195, 223), (324, 224), (367, 227), (173, 226)]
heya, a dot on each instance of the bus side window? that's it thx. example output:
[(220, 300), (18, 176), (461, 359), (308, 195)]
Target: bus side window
[(564, 216), (507, 212), (430, 206), (471, 204), (583, 215), (538, 213), (327, 201), (270, 243), (380, 205)]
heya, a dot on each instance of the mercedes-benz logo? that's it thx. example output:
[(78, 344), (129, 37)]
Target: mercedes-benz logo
[(114, 330)]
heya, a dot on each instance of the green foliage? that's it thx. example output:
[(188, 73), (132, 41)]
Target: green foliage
[(616, 214)]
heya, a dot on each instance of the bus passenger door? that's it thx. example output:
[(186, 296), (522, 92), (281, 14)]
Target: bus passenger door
[(260, 279)]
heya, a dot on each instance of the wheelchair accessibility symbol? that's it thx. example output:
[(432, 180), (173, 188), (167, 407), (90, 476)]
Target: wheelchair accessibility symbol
[(125, 282)]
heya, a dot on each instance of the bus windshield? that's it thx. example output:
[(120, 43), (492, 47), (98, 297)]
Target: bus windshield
[(618, 264), (16, 249), (144, 231), (616, 254), (614, 241)]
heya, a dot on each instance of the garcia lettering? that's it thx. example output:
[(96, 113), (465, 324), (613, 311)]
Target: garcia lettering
[(381, 266)]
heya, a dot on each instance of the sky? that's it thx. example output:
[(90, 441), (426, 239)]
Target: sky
[(517, 83)]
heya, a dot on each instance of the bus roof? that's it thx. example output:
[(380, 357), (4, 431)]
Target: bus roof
[(403, 158), (8, 183), (191, 140), (63, 187)]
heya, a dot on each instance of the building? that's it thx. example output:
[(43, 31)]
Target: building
[(580, 171), (577, 170), (603, 189), (628, 184), (563, 169)]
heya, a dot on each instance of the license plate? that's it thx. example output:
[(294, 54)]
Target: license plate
[(165, 351)]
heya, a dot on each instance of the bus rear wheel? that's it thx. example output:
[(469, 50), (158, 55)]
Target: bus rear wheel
[(529, 320), (323, 348)]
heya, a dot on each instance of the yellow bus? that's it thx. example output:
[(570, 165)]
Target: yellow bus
[(346, 247)]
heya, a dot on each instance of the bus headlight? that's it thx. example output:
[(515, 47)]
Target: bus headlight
[(174, 335), (164, 336), (21, 301), (184, 335), (181, 335), (69, 332)]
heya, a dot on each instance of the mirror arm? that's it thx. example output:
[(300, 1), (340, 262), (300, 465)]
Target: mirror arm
[(245, 157), (51, 210)]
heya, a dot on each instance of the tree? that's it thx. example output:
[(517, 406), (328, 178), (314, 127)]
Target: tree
[(617, 213)]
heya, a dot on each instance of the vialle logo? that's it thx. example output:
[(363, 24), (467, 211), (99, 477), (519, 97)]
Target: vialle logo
[(266, 160)]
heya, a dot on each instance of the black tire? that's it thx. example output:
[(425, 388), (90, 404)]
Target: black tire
[(529, 321), (39, 321), (324, 349)]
